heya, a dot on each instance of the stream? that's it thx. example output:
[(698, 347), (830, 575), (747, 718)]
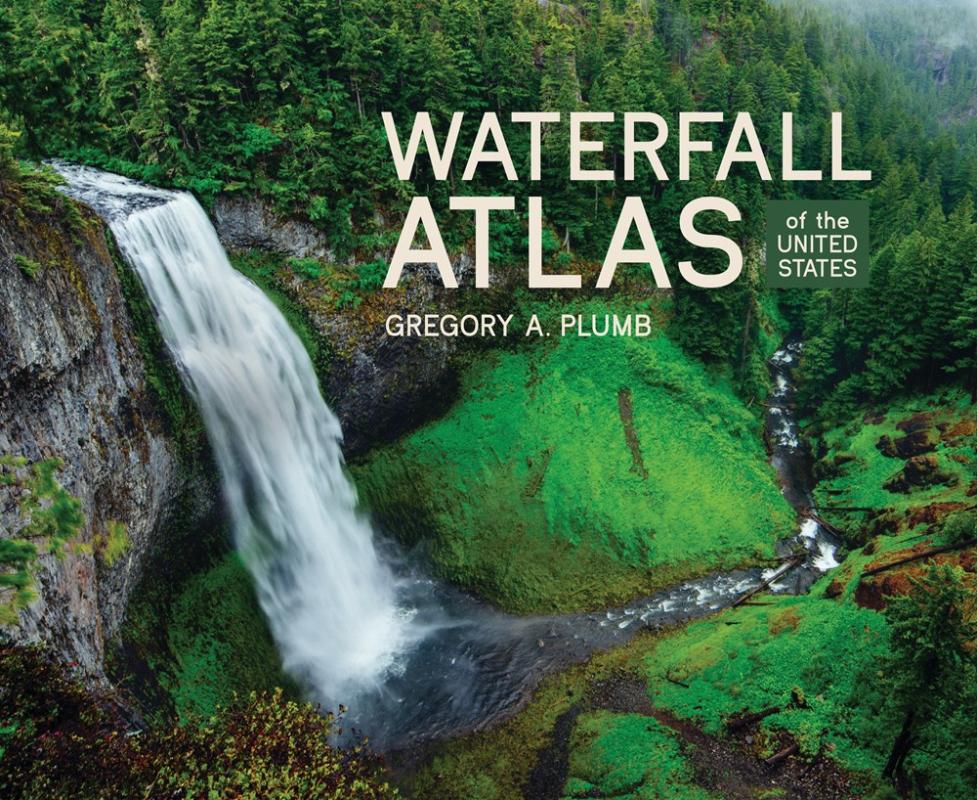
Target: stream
[(355, 621)]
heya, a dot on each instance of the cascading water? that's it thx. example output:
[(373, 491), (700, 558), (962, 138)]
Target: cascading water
[(330, 601), (414, 658)]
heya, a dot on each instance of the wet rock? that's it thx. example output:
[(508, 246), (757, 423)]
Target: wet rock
[(952, 434), (868, 595), (930, 514), (884, 525), (917, 442), (885, 446), (874, 416), (873, 592), (916, 422), (381, 386)]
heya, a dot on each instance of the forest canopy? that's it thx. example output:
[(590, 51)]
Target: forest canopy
[(285, 99)]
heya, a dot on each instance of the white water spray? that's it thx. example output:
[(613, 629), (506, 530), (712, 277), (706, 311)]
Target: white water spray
[(330, 601)]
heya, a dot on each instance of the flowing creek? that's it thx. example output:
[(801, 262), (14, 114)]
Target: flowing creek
[(355, 622)]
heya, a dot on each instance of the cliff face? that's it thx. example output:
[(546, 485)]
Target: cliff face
[(73, 385)]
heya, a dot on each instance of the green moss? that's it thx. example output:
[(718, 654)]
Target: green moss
[(582, 472), (630, 757), (821, 663), (219, 641), (114, 543), (194, 641)]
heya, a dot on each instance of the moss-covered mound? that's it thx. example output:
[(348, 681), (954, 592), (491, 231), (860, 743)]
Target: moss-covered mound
[(581, 472)]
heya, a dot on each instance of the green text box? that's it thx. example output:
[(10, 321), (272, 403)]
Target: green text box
[(813, 244)]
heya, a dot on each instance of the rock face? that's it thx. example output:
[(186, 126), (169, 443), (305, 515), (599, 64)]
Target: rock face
[(247, 223), (382, 386), (73, 386), (378, 385)]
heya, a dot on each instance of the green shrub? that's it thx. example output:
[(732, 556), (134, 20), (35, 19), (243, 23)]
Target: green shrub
[(370, 276), (308, 268), (114, 543), (961, 526), (347, 299)]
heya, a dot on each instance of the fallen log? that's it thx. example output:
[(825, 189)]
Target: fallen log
[(738, 723), (778, 757), (826, 525), (765, 583), (670, 679), (947, 548)]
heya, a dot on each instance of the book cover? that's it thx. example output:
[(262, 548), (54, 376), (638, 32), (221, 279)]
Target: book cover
[(488, 399)]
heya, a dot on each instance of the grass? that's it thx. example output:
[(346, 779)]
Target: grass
[(113, 543), (28, 266), (581, 472)]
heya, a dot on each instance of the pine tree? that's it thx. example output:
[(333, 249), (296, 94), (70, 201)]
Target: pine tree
[(933, 632)]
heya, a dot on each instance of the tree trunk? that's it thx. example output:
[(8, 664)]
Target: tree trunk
[(901, 746), (746, 334)]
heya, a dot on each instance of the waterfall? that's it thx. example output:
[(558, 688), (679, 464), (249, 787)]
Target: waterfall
[(415, 658), (330, 601)]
